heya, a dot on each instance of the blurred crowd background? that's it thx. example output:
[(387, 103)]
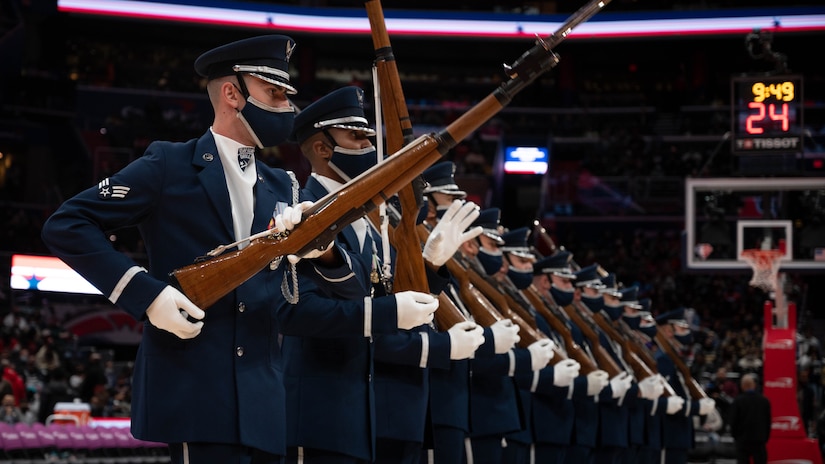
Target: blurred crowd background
[(81, 97)]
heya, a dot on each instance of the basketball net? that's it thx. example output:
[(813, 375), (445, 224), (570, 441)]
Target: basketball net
[(765, 265)]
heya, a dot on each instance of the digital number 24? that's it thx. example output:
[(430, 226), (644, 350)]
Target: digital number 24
[(760, 116)]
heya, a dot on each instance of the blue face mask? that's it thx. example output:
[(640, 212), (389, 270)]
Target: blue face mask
[(521, 279), (648, 329), (561, 297), (350, 163), (491, 262), (685, 340), (632, 321), (593, 303), (615, 312), (269, 126)]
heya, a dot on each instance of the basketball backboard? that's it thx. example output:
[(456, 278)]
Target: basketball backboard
[(725, 216)]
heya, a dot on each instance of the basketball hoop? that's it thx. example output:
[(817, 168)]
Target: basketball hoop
[(765, 265)]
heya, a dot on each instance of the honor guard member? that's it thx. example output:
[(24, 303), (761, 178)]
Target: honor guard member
[(494, 403), (610, 392), (644, 407), (677, 426), (441, 190), (340, 151), (587, 407), (327, 344), (449, 405), (643, 326), (575, 411), (547, 391), (207, 381)]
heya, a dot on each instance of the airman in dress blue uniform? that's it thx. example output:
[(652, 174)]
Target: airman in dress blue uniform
[(328, 367), (449, 405), (495, 408), (677, 426), (402, 358), (641, 322), (210, 386), (547, 390)]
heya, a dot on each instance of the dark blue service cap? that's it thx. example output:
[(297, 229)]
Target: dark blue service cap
[(265, 57), (646, 303), (557, 264), (677, 316), (610, 285), (515, 242), (630, 297), (342, 108), (588, 276), (488, 219), (440, 178)]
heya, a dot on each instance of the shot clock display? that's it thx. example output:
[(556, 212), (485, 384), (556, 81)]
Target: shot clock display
[(766, 114)]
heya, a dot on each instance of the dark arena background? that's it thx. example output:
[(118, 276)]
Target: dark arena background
[(652, 155)]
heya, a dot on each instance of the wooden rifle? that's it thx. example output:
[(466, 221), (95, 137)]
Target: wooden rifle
[(694, 389), (484, 310), (410, 272), (641, 369), (550, 312), (585, 323), (409, 264), (214, 276)]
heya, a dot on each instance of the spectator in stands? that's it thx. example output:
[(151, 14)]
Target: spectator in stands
[(807, 398), (805, 339), (47, 357), (752, 361), (18, 386), (9, 412), (94, 378), (56, 390)]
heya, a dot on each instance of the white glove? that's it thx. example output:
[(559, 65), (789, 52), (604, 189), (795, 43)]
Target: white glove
[(565, 372), (169, 312), (465, 338), (674, 404), (505, 335), (414, 308), (596, 381), (290, 216), (651, 387), (620, 384), (541, 352), (706, 405), (450, 233), (286, 221)]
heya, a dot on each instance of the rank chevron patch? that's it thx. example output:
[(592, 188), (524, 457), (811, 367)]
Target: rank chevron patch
[(106, 191)]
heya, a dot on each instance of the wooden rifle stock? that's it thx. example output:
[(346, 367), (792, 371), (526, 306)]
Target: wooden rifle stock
[(482, 310), (548, 311), (409, 264), (527, 325), (639, 356), (208, 280), (586, 325), (447, 314), (694, 389), (630, 354)]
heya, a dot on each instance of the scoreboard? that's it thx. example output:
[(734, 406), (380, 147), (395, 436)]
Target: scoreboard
[(766, 114)]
